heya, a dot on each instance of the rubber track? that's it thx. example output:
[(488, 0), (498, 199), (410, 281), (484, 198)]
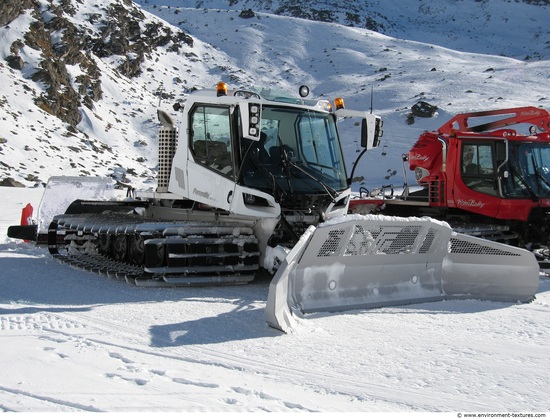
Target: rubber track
[(86, 229)]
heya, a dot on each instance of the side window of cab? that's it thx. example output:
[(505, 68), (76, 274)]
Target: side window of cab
[(210, 138), (478, 168)]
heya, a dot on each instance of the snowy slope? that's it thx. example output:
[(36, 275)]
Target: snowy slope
[(118, 137), (517, 29), (350, 62), (72, 341)]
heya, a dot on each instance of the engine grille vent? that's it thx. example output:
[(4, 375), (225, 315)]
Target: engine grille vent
[(167, 139)]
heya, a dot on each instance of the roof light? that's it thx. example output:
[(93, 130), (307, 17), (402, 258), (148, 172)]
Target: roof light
[(221, 89), (339, 103), (324, 105), (304, 91)]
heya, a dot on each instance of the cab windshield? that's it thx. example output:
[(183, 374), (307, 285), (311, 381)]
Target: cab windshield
[(298, 151), (527, 170)]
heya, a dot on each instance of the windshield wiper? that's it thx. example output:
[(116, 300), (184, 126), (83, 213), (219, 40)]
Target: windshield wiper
[(329, 190), (287, 164)]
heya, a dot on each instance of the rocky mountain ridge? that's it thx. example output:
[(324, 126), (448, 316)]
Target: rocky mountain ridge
[(64, 42), (65, 64), (491, 24)]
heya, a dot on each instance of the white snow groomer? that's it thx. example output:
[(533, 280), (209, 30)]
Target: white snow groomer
[(252, 172)]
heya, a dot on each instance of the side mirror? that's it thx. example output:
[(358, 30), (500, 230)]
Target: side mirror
[(371, 126), (371, 131)]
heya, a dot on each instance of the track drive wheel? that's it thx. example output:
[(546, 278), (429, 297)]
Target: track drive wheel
[(136, 249), (119, 247), (104, 244)]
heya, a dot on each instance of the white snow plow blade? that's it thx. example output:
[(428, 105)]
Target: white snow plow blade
[(358, 262)]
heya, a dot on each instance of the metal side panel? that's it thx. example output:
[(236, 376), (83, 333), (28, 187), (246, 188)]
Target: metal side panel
[(481, 269)]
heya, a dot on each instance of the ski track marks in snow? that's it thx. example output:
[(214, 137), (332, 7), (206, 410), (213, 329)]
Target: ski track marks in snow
[(37, 321), (201, 369), (63, 338)]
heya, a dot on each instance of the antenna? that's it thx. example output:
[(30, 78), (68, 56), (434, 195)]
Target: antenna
[(371, 98)]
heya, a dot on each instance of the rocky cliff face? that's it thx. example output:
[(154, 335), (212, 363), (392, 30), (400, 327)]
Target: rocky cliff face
[(12, 8), (63, 40), (80, 84)]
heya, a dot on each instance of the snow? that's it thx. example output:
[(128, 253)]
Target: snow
[(73, 341)]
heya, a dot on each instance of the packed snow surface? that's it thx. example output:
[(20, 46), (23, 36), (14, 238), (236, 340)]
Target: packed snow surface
[(75, 341)]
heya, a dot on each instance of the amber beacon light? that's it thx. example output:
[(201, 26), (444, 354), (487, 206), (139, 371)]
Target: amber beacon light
[(221, 89), (339, 103)]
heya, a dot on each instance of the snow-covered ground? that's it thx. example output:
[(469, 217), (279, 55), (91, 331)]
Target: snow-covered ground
[(75, 341)]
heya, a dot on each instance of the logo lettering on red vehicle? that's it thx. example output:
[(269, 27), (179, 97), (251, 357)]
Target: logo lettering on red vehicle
[(420, 157), (470, 203), (532, 112)]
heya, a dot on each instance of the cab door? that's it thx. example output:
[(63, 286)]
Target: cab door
[(211, 169), (476, 188)]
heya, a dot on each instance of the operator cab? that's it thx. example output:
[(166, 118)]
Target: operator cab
[(264, 155), (507, 167)]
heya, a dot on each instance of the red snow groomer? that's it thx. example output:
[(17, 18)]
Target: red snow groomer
[(481, 176)]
